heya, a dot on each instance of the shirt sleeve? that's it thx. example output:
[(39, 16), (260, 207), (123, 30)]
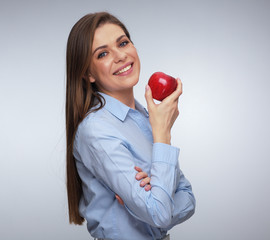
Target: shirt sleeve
[(184, 202), (112, 163)]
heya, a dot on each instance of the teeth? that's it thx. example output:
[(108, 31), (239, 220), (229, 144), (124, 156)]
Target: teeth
[(123, 70)]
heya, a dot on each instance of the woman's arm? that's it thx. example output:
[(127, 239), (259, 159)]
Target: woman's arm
[(162, 117), (184, 200), (110, 160)]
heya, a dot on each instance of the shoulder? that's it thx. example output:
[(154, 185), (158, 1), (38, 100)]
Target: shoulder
[(96, 134), (97, 124)]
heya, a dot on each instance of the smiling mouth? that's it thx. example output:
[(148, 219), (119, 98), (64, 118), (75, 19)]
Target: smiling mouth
[(123, 70)]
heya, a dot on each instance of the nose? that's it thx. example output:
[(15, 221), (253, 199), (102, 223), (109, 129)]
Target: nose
[(119, 55)]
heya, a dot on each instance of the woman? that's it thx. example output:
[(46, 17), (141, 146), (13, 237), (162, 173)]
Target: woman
[(123, 175)]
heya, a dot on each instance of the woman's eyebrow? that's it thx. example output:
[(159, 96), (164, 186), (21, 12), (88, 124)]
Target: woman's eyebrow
[(118, 39), (104, 46)]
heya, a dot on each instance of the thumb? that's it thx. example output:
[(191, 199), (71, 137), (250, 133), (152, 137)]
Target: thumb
[(148, 97)]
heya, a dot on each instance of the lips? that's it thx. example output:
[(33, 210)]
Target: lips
[(124, 69)]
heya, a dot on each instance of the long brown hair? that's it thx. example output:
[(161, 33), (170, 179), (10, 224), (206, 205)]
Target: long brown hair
[(81, 96)]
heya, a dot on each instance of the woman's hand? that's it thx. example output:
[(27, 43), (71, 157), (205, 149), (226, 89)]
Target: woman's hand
[(145, 179), (144, 183), (162, 116)]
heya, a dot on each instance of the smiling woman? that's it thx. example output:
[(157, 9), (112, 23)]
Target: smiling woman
[(115, 65), (123, 175)]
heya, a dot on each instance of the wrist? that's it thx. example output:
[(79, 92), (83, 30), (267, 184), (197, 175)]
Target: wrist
[(162, 138)]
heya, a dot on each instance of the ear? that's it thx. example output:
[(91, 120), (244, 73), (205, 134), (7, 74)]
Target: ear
[(91, 78)]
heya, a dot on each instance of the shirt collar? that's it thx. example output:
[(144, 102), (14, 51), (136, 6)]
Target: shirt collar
[(119, 109)]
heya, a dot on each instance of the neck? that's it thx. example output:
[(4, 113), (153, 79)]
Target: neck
[(129, 102), (126, 97)]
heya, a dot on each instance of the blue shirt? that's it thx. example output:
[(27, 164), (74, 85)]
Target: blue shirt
[(108, 144)]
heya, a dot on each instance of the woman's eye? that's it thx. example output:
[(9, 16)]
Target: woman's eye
[(101, 55), (124, 43)]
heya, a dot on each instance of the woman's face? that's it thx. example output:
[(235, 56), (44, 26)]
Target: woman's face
[(115, 65)]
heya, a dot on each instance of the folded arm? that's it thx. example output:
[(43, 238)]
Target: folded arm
[(110, 160)]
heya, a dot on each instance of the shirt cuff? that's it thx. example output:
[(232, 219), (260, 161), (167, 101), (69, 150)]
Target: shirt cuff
[(165, 153)]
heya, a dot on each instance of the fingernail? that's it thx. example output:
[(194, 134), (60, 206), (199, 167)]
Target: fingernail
[(147, 87), (147, 188), (142, 183)]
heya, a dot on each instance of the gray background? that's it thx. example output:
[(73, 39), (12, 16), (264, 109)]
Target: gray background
[(220, 50)]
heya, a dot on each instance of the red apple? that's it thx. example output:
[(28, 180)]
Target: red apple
[(162, 85)]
